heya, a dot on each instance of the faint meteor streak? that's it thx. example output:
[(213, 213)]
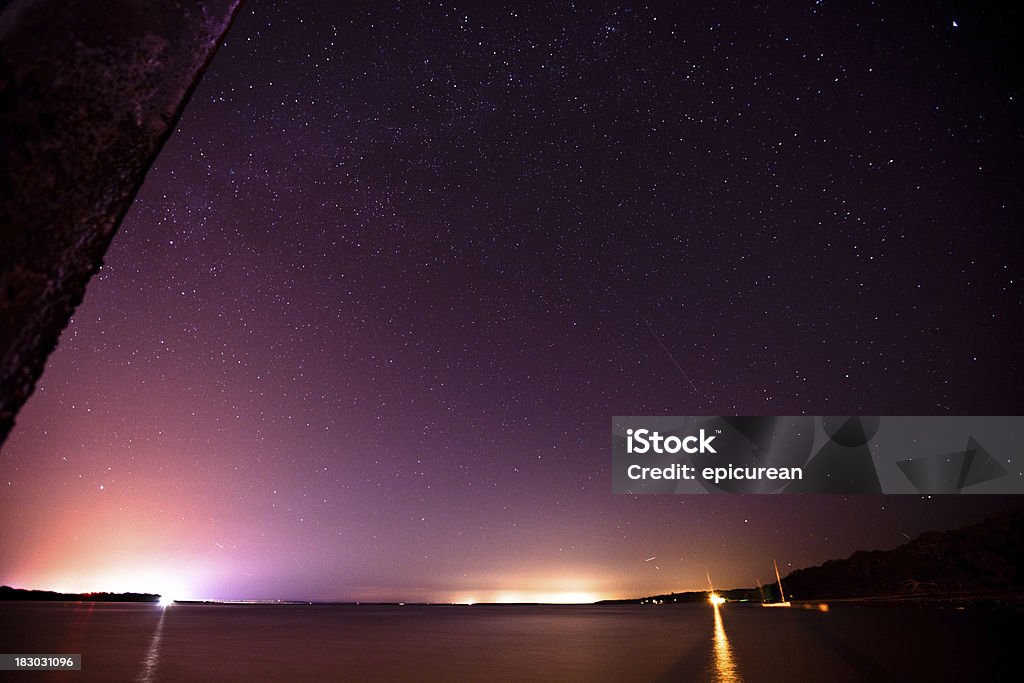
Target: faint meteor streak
[(373, 328), (669, 354)]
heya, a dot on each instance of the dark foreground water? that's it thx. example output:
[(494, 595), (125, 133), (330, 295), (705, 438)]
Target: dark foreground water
[(586, 643)]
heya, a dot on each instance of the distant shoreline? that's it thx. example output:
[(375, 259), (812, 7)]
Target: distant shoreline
[(23, 594), (741, 596), (1013, 601)]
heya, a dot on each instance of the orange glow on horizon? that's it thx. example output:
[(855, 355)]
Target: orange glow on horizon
[(528, 596), (556, 598)]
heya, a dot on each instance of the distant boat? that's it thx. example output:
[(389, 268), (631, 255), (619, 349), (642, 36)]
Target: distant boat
[(783, 602)]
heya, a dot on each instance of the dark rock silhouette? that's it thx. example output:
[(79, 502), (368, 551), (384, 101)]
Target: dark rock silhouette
[(984, 558), (88, 94)]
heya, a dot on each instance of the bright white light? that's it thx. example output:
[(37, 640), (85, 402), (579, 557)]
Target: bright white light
[(716, 599), (166, 601)]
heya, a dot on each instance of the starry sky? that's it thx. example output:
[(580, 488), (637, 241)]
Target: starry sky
[(362, 334)]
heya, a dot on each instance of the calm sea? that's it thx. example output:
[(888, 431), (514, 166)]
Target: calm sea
[(579, 643)]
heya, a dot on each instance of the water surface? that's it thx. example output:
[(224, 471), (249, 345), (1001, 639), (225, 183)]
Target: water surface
[(145, 642)]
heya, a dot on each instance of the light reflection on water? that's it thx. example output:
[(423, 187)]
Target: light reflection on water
[(725, 669), (125, 642), (152, 658)]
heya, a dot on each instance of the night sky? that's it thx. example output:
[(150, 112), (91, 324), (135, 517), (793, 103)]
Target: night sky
[(363, 332)]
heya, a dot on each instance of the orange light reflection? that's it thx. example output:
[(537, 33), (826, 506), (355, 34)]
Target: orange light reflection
[(725, 670)]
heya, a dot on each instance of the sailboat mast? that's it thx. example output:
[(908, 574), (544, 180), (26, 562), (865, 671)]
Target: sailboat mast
[(782, 595)]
